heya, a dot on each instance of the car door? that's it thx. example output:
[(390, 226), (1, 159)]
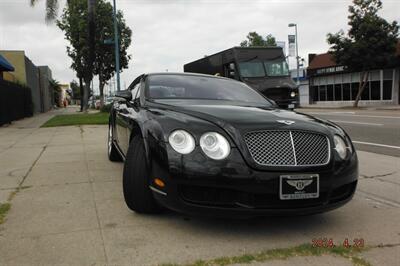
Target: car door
[(122, 120)]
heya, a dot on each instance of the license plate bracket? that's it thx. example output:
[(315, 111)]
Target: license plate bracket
[(294, 187)]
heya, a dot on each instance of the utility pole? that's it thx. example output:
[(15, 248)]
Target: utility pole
[(297, 52), (116, 44)]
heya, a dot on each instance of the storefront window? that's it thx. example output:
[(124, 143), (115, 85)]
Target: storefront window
[(346, 92), (365, 93), (330, 92), (375, 90), (387, 90), (354, 90), (338, 92), (322, 93), (315, 93)]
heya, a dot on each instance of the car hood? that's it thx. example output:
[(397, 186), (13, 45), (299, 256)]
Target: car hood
[(250, 118)]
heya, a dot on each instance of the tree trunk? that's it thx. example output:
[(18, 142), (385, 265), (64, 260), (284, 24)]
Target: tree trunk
[(85, 98), (101, 89), (81, 89), (361, 87)]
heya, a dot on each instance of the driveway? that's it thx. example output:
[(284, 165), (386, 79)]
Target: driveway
[(67, 207)]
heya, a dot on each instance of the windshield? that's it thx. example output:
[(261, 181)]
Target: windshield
[(276, 68), (258, 69), (200, 87)]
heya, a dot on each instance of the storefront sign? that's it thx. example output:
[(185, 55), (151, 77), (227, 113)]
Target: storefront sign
[(330, 70)]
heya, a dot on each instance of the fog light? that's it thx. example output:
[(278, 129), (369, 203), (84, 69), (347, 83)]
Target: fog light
[(159, 182)]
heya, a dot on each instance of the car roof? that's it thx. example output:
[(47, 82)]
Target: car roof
[(185, 74)]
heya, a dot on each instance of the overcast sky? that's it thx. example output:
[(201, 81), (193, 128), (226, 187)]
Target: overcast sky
[(170, 33)]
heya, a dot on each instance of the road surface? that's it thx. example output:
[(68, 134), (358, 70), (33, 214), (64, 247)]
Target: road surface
[(370, 130)]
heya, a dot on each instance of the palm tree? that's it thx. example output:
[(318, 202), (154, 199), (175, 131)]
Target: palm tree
[(56, 88), (51, 9), (51, 15)]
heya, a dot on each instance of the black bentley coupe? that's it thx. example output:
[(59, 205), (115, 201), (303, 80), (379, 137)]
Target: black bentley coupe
[(208, 145)]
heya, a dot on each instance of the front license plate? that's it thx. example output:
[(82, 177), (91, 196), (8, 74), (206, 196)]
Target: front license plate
[(292, 187), (291, 106)]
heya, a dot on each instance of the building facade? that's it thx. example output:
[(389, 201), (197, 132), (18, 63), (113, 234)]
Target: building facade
[(28, 74), (333, 85)]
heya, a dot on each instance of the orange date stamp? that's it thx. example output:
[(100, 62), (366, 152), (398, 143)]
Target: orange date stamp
[(346, 243)]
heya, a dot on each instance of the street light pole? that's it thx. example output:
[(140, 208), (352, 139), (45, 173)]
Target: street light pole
[(297, 52), (297, 55), (116, 44)]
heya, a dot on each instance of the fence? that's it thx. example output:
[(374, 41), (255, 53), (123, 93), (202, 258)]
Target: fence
[(15, 102)]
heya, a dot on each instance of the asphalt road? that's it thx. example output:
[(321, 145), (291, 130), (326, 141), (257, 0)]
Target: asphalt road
[(375, 131)]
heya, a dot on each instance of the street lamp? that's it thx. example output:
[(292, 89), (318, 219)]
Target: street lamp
[(116, 45), (297, 50)]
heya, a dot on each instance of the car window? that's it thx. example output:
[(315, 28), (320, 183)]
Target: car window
[(201, 87)]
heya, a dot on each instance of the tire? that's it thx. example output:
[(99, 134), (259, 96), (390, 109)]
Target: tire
[(113, 154), (137, 194)]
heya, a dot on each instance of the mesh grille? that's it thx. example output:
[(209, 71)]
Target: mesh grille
[(287, 148), (311, 149)]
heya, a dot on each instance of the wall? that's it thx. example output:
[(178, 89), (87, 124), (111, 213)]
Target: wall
[(17, 59), (45, 89), (32, 81)]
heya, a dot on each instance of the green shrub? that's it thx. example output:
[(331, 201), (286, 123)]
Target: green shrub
[(106, 108)]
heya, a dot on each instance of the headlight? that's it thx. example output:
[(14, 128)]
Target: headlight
[(181, 141), (349, 146), (292, 94), (340, 146), (215, 145)]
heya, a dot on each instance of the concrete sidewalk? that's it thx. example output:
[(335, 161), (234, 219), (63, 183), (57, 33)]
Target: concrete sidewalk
[(70, 210)]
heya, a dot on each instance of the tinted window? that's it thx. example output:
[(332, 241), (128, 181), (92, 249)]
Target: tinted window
[(329, 92), (346, 92), (199, 87), (338, 92), (375, 90), (387, 90)]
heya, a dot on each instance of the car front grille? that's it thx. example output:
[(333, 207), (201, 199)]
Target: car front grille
[(288, 148)]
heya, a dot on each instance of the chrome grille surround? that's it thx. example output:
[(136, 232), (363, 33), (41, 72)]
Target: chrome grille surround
[(288, 148)]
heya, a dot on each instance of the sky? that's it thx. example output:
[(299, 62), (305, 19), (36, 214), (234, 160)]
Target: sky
[(169, 33)]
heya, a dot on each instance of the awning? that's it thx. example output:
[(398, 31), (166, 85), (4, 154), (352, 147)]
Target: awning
[(5, 65)]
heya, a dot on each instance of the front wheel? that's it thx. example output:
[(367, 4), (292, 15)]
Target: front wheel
[(137, 193)]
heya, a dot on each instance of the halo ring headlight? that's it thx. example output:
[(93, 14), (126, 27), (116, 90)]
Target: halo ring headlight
[(340, 146), (181, 141), (214, 145)]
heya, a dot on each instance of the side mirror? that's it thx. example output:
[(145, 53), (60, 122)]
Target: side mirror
[(125, 94)]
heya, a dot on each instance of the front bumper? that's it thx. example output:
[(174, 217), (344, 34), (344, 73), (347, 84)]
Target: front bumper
[(239, 191), (285, 103)]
